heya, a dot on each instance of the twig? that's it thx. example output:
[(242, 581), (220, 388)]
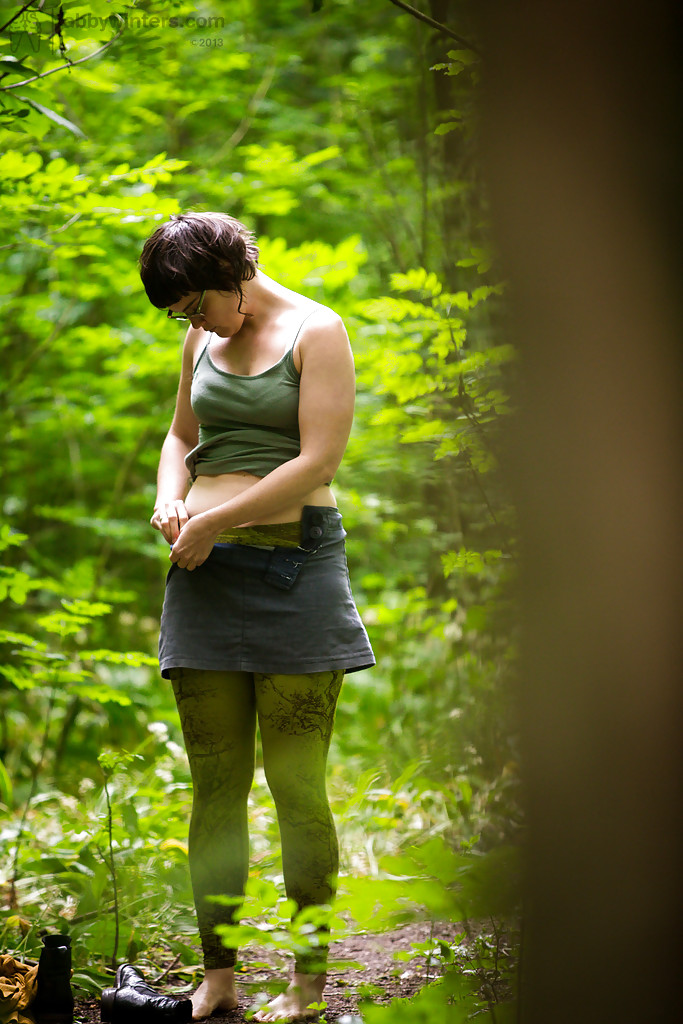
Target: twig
[(480, 965), (246, 122), (437, 25), (38, 351), (117, 491), (471, 418), (32, 792), (431, 945), (168, 970), (62, 67), (71, 220), (480, 487), (497, 955), (366, 129), (424, 154), (112, 871)]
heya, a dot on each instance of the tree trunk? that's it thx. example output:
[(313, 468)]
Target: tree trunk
[(582, 116)]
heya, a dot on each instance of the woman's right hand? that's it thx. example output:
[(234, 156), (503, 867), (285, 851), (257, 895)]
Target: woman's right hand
[(169, 517)]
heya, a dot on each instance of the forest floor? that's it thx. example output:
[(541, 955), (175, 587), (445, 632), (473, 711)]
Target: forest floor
[(383, 977)]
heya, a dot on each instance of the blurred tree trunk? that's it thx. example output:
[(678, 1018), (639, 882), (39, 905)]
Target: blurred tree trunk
[(582, 117)]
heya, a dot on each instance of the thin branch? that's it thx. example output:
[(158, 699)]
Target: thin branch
[(71, 220), (62, 67), (480, 966), (245, 124), (480, 488), (474, 422), (425, 152), (254, 103), (40, 349), (35, 772), (431, 946), (17, 15), (23, 241), (168, 970), (112, 869), (498, 938), (120, 484), (437, 25), (366, 129)]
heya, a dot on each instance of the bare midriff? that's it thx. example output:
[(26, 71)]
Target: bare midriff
[(208, 492)]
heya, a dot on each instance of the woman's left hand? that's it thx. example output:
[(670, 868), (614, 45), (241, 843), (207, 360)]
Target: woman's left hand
[(194, 543)]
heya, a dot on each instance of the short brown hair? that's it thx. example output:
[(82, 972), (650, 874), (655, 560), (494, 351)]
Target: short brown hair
[(194, 251)]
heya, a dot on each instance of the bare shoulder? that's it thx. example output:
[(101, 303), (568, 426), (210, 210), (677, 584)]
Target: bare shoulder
[(323, 348), (322, 326), (322, 343)]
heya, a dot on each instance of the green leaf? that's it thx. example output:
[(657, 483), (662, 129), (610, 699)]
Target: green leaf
[(473, 562), (8, 536), (133, 658), (321, 156), (6, 790), (15, 584), (81, 607), (54, 116), (464, 56), (419, 280), (12, 66), (101, 694), (22, 678), (109, 760), (9, 637)]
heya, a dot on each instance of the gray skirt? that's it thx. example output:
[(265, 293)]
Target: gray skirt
[(273, 610)]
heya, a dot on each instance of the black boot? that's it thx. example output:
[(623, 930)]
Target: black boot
[(54, 1002), (134, 1000)]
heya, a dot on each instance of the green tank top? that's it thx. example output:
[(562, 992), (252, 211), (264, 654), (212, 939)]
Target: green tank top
[(247, 424)]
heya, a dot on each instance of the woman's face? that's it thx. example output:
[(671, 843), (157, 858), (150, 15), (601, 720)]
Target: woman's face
[(213, 311)]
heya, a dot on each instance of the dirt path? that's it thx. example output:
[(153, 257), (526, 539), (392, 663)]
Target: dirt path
[(384, 976)]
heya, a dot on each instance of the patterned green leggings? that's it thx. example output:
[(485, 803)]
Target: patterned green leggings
[(218, 712)]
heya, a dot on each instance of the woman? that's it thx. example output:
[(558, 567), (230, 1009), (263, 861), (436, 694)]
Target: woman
[(258, 619)]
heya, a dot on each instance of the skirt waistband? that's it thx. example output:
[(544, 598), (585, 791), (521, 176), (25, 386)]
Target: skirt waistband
[(285, 546), (317, 522), (283, 535)]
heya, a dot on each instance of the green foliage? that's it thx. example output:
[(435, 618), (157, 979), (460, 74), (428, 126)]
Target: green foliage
[(356, 165), (269, 922), (64, 879), (477, 969)]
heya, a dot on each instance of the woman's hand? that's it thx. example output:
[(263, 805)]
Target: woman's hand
[(194, 543), (170, 517)]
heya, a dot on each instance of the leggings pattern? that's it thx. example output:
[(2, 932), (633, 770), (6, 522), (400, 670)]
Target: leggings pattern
[(218, 713)]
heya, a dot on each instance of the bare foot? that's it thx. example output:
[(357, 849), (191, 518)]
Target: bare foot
[(292, 1004), (216, 992)]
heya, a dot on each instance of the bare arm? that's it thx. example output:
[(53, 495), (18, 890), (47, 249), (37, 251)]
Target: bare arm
[(170, 514), (326, 402)]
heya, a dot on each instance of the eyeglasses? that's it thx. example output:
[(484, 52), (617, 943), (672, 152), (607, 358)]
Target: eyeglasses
[(189, 316)]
